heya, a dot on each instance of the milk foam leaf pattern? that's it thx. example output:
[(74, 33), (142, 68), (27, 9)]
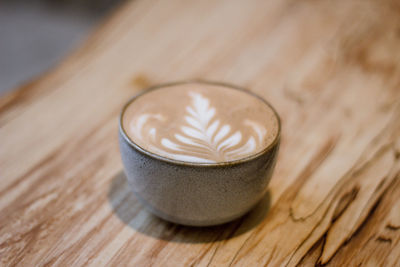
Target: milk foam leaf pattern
[(202, 137), (205, 137)]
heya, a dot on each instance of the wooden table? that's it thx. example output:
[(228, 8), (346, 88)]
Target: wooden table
[(332, 70)]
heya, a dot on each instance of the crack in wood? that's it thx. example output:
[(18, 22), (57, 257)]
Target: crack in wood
[(369, 216), (202, 255), (354, 171), (344, 203), (238, 251), (339, 210), (304, 176), (270, 257), (363, 223), (235, 228), (213, 255), (393, 227), (315, 246), (384, 239), (342, 183)]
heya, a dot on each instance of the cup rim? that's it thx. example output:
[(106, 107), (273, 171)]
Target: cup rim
[(197, 164)]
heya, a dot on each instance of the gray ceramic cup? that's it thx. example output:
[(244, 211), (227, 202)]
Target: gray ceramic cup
[(197, 194)]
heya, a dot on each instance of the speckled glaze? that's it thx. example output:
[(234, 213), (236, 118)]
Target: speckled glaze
[(197, 194)]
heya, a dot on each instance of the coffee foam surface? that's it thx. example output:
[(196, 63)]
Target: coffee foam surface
[(200, 123)]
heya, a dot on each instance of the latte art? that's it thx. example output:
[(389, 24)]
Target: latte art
[(203, 138), (199, 124)]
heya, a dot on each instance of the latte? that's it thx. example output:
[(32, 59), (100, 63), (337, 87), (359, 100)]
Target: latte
[(200, 123)]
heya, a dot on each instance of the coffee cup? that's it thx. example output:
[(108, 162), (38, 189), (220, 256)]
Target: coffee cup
[(198, 153)]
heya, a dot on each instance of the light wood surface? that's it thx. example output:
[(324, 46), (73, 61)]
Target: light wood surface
[(331, 69)]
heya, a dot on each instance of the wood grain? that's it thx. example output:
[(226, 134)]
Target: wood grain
[(332, 70)]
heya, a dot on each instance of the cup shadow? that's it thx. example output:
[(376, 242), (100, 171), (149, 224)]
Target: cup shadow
[(130, 211)]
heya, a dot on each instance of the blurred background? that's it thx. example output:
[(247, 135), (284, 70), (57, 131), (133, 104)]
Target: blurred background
[(36, 34)]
